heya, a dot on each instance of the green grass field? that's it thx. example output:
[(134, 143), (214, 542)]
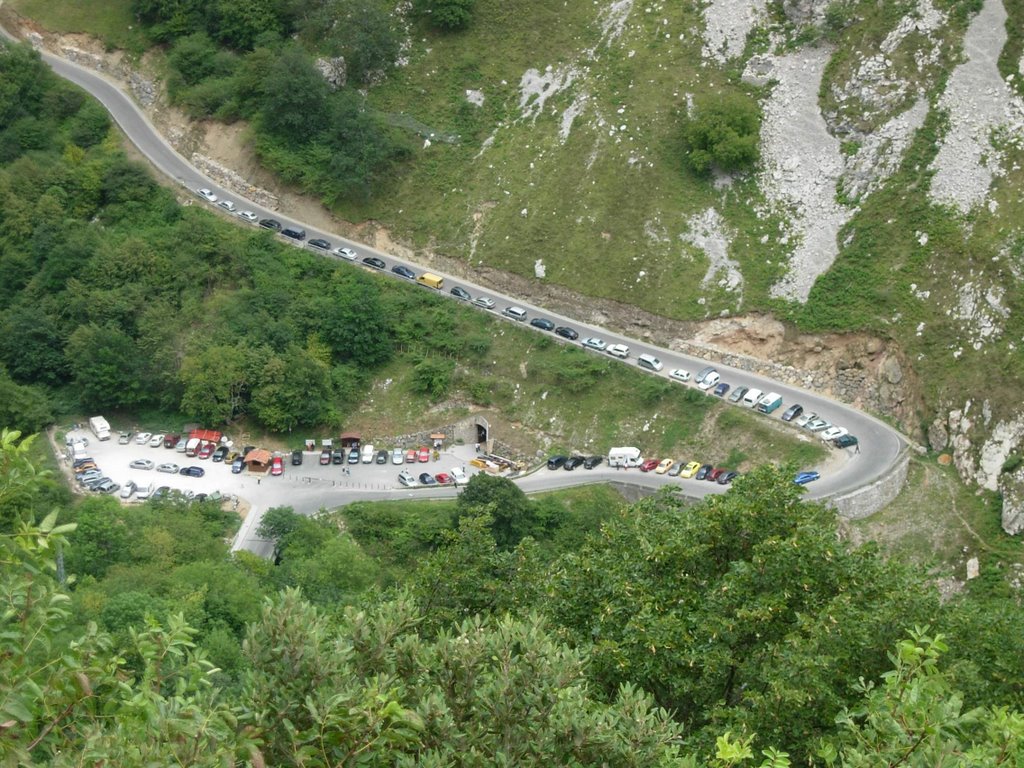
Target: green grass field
[(109, 20)]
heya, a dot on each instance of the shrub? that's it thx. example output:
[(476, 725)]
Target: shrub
[(723, 132)]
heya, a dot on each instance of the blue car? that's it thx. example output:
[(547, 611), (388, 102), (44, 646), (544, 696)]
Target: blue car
[(403, 271), (803, 478), (721, 389), (192, 471)]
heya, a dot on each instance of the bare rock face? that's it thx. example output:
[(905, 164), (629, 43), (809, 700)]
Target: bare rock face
[(334, 71), (802, 12), (1011, 485), (938, 434)]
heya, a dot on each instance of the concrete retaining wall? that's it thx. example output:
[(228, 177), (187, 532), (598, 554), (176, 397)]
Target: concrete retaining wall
[(868, 499)]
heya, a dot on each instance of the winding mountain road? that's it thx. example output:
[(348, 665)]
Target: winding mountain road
[(880, 445)]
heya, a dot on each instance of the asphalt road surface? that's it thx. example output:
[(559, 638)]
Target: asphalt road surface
[(880, 445)]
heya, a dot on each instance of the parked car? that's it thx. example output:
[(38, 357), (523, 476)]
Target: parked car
[(205, 451), (169, 468), (325, 457), (271, 224), (618, 350), (88, 476), (277, 466), (738, 394), (720, 389), (461, 294), (664, 466), (459, 475), (249, 216), (403, 271), (572, 462), (703, 471), (679, 374), (514, 313), (690, 469), (818, 425), (792, 412), (406, 478), (410, 456), (171, 440), (805, 418), (192, 471), (675, 469), (834, 433), (296, 458), (594, 343), (338, 457), (650, 362), (181, 446), (567, 333), (709, 381), (728, 477), (846, 441), (156, 440), (128, 489), (343, 252), (319, 244), (124, 438), (803, 478), (556, 462), (592, 461), (543, 323), (227, 205), (714, 474), (382, 456), (237, 465), (443, 478), (206, 194), (353, 456), (427, 479), (107, 486), (220, 454), (650, 464), (373, 261), (85, 467), (294, 233), (142, 438), (424, 454), (93, 484), (483, 302), (398, 456), (141, 464)]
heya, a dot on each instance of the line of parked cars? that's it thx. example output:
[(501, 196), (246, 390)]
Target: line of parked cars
[(455, 476), (369, 454)]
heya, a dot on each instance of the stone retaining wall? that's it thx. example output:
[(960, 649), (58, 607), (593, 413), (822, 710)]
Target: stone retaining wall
[(868, 499)]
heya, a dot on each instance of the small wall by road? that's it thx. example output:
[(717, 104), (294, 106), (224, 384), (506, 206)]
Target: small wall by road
[(868, 499)]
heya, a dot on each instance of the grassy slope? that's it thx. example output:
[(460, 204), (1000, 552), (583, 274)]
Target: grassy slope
[(109, 20)]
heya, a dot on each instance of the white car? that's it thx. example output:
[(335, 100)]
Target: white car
[(406, 478), (484, 301), (710, 381), (227, 205), (345, 253), (818, 425), (157, 440), (806, 418), (169, 468), (833, 433), (249, 216), (142, 438), (144, 492), (141, 464), (595, 344), (618, 350), (207, 195), (128, 489), (459, 475), (679, 374)]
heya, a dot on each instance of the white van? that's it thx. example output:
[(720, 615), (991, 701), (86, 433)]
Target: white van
[(753, 395), (516, 313), (709, 381), (368, 453), (625, 457), (650, 362)]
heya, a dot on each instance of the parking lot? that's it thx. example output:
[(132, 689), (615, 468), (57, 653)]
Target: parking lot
[(260, 489)]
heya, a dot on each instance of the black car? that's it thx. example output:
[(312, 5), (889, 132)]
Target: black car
[(704, 471), (543, 323), (727, 477), (320, 245), (382, 456), (572, 462), (192, 471), (792, 412), (220, 454), (373, 261), (296, 458), (592, 461), (405, 272), (461, 293), (273, 224), (555, 462), (566, 333), (339, 456), (427, 479), (845, 441), (294, 234)]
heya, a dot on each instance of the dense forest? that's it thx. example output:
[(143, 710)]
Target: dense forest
[(498, 631)]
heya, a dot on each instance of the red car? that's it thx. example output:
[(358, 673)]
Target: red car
[(206, 450), (714, 474), (443, 478), (410, 456), (170, 441), (325, 456), (650, 464), (424, 455), (277, 466)]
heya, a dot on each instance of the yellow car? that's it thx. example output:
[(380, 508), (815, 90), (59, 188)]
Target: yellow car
[(665, 466), (690, 469)]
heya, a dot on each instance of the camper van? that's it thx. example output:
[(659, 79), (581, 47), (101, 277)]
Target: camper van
[(625, 457), (100, 427), (769, 402), (431, 280)]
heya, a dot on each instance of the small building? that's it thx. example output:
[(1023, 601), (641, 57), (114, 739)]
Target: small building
[(351, 439), (258, 460)]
